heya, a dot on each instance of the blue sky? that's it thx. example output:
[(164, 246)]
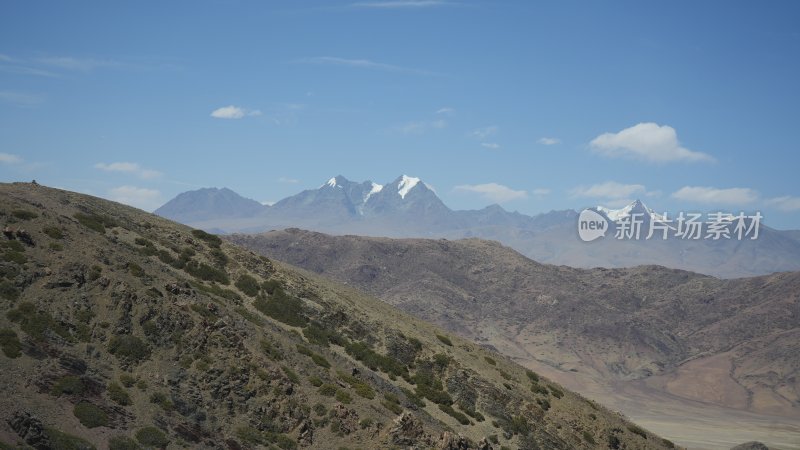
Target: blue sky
[(535, 105)]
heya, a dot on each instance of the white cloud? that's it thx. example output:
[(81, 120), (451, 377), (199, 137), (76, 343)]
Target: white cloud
[(549, 141), (128, 167), (401, 4), (485, 132), (228, 112), (704, 194), (8, 158), (492, 191), (785, 203), (143, 198), (540, 192), (268, 202), (360, 64), (490, 145), (648, 142), (288, 180), (446, 110), (609, 190)]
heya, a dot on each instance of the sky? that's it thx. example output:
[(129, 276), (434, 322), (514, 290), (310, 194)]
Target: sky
[(537, 106)]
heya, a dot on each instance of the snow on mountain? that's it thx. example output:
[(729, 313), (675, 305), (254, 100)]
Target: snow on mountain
[(405, 185), (375, 189), (331, 182), (636, 207)]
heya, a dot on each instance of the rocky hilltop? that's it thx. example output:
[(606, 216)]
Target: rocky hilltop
[(123, 330)]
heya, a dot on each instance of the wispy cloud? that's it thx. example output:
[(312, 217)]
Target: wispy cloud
[(490, 145), (609, 190), (79, 64), (446, 110), (712, 195), (130, 168), (143, 198), (288, 180), (24, 70), (401, 4), (361, 64), (540, 192), (485, 132), (647, 142), (21, 98), (8, 158), (422, 126), (494, 192), (234, 112), (549, 141), (786, 203)]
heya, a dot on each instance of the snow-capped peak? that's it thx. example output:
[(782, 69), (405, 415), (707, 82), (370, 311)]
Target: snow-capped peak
[(406, 184), (375, 189), (636, 207), (331, 182)]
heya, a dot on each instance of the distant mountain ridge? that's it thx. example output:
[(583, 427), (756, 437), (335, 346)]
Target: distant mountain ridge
[(408, 207)]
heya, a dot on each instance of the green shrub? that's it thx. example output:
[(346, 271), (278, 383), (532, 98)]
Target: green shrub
[(56, 247), (589, 438), (271, 286), (36, 323), (320, 360), (343, 397), (15, 257), (283, 308), (364, 390), (152, 437), (69, 384), (490, 360), (118, 394), (208, 238), (135, 270), (248, 285), (127, 380), (272, 350), (63, 441), (668, 443), (319, 409), (122, 443), (8, 291), (445, 340), (461, 418), (96, 222), (205, 272), (374, 360), (218, 291), (249, 316), (15, 246), (366, 422), (320, 336), (10, 344), (23, 214), (90, 415), (53, 232), (532, 376), (637, 430), (291, 374), (315, 381), (557, 393), (160, 399), (328, 390), (393, 407), (128, 347)]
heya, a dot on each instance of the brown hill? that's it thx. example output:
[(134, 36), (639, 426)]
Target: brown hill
[(731, 344), (123, 330)]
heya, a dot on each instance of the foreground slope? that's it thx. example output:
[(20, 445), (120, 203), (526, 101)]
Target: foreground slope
[(123, 330), (677, 335)]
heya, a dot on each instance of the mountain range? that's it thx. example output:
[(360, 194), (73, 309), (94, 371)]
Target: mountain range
[(673, 349), (408, 207), (122, 330)]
